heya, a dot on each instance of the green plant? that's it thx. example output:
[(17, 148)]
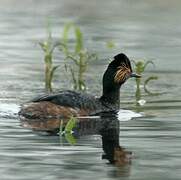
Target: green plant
[(145, 85), (68, 130), (140, 67), (70, 138), (48, 47), (70, 125), (110, 44), (79, 56)]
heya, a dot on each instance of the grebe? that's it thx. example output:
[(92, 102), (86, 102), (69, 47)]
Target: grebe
[(71, 103)]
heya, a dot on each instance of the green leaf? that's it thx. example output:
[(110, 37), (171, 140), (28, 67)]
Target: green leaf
[(147, 81), (73, 57), (70, 138), (148, 62), (70, 125), (141, 65), (43, 46), (110, 44), (78, 36), (54, 45), (52, 72), (73, 78), (49, 32), (79, 40), (65, 37), (66, 31)]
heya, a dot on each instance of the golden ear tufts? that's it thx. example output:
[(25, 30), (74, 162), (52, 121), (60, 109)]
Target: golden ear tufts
[(121, 73)]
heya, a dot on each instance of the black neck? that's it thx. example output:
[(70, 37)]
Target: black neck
[(111, 96), (111, 90)]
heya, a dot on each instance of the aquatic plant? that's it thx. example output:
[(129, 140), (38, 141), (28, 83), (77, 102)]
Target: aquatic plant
[(70, 125), (140, 67), (70, 138), (67, 131), (110, 44), (79, 56), (145, 85), (48, 47)]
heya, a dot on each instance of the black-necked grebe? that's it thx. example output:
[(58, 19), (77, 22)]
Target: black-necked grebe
[(70, 103)]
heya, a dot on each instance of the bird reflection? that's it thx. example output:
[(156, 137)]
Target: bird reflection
[(113, 152), (107, 125)]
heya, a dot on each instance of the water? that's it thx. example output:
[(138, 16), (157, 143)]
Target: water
[(141, 29)]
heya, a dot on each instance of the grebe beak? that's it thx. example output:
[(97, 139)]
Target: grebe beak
[(135, 75)]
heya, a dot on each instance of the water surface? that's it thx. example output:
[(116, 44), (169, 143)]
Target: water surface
[(141, 29)]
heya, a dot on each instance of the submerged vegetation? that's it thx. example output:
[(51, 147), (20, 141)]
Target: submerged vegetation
[(140, 67), (48, 47), (79, 56), (110, 44), (67, 131)]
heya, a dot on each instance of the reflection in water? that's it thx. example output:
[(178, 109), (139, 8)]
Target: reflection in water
[(107, 125), (113, 152), (110, 142)]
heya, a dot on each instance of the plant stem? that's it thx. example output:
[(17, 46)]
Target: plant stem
[(138, 90), (48, 67)]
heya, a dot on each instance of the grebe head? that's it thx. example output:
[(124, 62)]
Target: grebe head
[(119, 70), (123, 69)]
